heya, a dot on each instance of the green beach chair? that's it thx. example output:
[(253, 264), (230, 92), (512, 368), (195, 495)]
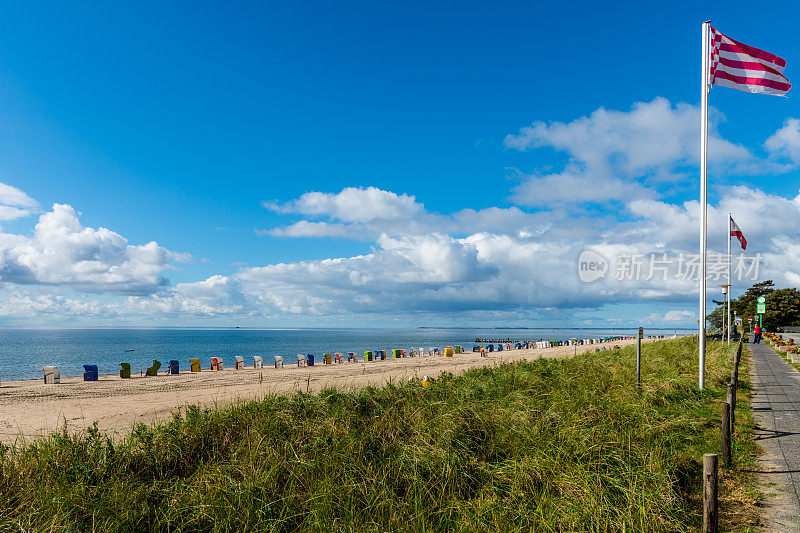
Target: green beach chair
[(153, 370), (125, 371)]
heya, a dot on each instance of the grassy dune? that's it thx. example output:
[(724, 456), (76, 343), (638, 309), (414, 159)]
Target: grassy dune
[(550, 445)]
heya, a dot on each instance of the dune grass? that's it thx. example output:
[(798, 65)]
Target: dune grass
[(548, 445)]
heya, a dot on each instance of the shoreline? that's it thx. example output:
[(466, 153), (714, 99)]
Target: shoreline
[(31, 409)]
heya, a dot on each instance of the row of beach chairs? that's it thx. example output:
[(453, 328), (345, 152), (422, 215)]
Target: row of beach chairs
[(91, 372), (52, 374)]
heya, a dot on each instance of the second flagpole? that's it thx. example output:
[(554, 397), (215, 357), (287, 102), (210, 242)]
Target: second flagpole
[(730, 287)]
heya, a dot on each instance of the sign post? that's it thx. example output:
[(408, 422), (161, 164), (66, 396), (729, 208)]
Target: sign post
[(639, 358), (761, 308)]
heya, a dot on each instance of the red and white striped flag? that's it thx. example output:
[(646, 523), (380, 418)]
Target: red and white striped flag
[(737, 232), (739, 66)]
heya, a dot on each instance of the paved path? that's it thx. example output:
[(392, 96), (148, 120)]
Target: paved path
[(776, 406)]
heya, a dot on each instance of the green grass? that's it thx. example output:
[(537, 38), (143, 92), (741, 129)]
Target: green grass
[(549, 445)]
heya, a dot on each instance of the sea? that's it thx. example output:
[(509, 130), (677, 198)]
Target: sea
[(23, 352)]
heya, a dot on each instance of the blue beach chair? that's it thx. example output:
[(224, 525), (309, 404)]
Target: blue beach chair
[(90, 373)]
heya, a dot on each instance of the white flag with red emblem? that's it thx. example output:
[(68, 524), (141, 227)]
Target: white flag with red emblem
[(739, 66), (737, 232)]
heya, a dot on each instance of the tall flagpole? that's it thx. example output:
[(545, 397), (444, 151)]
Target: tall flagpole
[(703, 207), (728, 294)]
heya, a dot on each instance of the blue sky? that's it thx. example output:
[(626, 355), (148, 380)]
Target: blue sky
[(179, 124)]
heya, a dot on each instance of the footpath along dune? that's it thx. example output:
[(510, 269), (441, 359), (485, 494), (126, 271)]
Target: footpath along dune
[(29, 409)]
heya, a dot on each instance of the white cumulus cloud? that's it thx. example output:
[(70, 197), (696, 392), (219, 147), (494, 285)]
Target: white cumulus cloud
[(352, 204), (620, 155), (63, 252)]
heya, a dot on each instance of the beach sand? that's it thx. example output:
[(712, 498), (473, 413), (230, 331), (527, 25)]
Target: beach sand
[(30, 409)]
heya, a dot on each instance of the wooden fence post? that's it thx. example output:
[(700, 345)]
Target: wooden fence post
[(710, 505), (726, 435), (735, 371), (732, 402)]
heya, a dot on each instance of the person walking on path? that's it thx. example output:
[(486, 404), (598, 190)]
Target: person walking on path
[(757, 334)]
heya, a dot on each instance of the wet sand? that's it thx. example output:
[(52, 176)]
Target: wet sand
[(30, 409)]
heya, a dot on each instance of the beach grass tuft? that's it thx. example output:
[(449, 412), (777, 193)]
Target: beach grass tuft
[(545, 445)]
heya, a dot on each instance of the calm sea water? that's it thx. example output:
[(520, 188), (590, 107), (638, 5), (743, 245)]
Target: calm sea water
[(23, 352)]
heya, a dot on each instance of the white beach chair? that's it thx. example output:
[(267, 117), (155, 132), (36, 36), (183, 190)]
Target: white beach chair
[(239, 362), (258, 361), (352, 357), (51, 375), (301, 359), (278, 361)]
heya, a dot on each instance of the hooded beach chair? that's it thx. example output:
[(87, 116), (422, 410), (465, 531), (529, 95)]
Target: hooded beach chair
[(301, 360), (367, 356), (326, 359), (125, 370), (499, 347), (239, 362), (397, 354), (216, 363), (352, 357), (258, 361), (278, 361), (309, 359), (89, 372), (174, 367), (448, 351), (338, 358), (458, 349), (51, 375), (153, 370), (194, 365)]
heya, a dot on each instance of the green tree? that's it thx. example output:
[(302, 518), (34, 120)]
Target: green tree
[(782, 306), (745, 305)]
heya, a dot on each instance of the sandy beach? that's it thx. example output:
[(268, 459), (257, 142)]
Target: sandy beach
[(31, 409)]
